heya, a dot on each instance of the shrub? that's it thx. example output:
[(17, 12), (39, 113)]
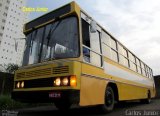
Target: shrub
[(7, 103)]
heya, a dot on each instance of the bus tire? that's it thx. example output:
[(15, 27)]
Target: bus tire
[(109, 100), (62, 105), (148, 100)]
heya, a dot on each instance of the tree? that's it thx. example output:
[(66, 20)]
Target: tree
[(2, 68), (11, 68)]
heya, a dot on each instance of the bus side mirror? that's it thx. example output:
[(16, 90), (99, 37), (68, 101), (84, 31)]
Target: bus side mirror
[(93, 27)]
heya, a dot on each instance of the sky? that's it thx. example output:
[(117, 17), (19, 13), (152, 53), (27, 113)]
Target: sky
[(135, 23)]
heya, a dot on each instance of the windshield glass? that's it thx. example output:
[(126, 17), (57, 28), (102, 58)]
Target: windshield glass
[(54, 41)]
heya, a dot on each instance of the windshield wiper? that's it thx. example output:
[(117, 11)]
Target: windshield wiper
[(51, 31), (32, 39)]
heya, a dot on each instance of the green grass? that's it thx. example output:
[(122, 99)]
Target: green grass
[(7, 103)]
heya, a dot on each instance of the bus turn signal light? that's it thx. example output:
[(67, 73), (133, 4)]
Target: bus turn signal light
[(73, 81)]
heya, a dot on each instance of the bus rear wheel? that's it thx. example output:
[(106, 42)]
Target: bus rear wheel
[(62, 105), (109, 100), (148, 100)]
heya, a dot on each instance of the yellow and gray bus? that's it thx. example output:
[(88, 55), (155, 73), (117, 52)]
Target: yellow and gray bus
[(70, 59)]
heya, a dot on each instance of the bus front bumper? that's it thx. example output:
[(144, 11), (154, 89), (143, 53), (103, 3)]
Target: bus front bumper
[(73, 96)]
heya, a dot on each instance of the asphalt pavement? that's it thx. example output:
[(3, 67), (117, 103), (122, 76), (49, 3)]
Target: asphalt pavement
[(121, 109)]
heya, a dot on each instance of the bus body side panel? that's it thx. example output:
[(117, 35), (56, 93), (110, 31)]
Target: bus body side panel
[(93, 87), (130, 85), (131, 92)]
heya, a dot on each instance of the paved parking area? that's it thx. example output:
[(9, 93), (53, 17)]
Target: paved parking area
[(121, 109)]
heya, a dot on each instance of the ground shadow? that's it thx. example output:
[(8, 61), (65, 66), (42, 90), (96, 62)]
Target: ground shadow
[(82, 111)]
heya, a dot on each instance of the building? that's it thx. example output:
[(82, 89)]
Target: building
[(12, 19), (157, 85)]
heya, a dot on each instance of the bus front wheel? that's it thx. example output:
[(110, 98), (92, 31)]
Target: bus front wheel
[(109, 100)]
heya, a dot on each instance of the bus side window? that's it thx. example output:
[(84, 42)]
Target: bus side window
[(96, 57), (85, 33), (86, 54), (86, 41), (151, 74), (91, 45), (106, 49), (138, 66)]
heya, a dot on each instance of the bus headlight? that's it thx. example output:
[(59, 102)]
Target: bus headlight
[(18, 85), (65, 81), (57, 82), (22, 84)]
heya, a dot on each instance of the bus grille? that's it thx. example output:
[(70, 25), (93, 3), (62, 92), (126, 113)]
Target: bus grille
[(43, 72), (60, 70), (40, 72), (20, 75)]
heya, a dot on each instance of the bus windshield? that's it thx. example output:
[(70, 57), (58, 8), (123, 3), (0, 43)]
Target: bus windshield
[(54, 41)]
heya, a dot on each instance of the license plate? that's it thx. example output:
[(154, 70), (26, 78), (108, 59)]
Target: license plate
[(55, 95)]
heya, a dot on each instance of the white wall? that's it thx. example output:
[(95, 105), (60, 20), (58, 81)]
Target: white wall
[(13, 30)]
